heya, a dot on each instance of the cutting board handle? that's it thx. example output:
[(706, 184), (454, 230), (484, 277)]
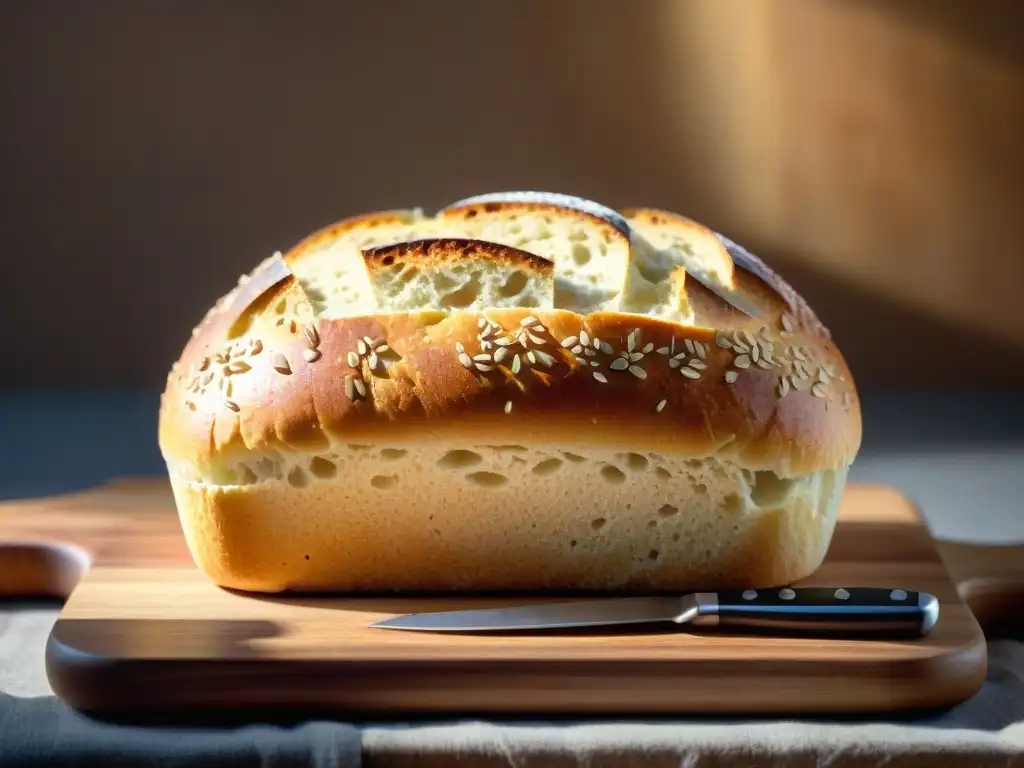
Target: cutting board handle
[(990, 579), (40, 569), (48, 543)]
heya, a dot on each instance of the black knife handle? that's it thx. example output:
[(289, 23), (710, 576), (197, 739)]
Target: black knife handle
[(854, 611)]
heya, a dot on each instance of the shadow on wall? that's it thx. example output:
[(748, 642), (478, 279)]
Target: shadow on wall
[(989, 27), (154, 152), (872, 158), (891, 346)]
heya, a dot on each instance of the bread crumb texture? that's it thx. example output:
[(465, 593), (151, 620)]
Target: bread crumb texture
[(506, 516), (524, 390)]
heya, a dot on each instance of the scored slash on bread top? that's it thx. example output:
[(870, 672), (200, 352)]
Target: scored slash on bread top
[(794, 301), (668, 243), (330, 263), (682, 242), (591, 252), (456, 273), (412, 326)]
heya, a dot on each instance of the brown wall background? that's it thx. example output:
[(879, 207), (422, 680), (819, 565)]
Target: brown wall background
[(872, 150)]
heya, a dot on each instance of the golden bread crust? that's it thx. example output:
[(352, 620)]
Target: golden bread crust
[(796, 415), (267, 384)]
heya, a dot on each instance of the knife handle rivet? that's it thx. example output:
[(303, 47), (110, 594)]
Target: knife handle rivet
[(898, 594), (786, 594), (842, 594), (750, 594)]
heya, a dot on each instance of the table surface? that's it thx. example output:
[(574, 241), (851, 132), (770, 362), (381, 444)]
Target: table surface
[(959, 458)]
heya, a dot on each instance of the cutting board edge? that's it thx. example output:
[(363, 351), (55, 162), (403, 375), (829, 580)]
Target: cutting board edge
[(89, 683), (68, 668)]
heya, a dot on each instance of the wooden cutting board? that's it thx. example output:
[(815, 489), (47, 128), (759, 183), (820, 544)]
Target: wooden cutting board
[(142, 629)]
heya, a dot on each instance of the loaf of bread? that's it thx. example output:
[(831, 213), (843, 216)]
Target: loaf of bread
[(524, 391)]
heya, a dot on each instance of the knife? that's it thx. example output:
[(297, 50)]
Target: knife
[(849, 611)]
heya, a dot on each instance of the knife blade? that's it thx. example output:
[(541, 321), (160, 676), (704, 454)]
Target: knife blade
[(850, 611)]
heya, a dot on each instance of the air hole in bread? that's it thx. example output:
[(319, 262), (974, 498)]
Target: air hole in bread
[(268, 467), (322, 468), (241, 325), (508, 448), (280, 307), (652, 523), (768, 489), (248, 476), (357, 447), (598, 523), (464, 296), (297, 478), (515, 285), (700, 489), (574, 457), (459, 459), (613, 475), (662, 473), (572, 544), (675, 537), (383, 482), (653, 554), (393, 454), (408, 274), (667, 510), (733, 504), (580, 254), (443, 282), (487, 479), (635, 461), (547, 467), (315, 295), (652, 271)]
